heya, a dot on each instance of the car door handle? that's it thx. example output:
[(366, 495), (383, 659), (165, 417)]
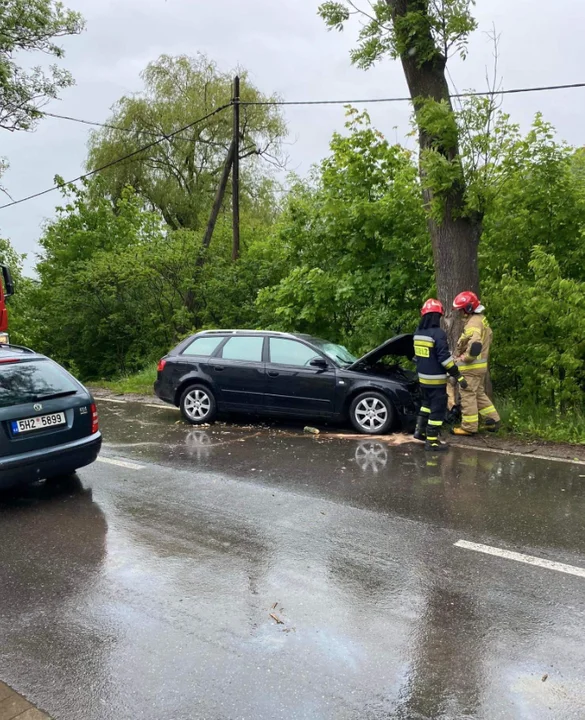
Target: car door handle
[(273, 373), (218, 368)]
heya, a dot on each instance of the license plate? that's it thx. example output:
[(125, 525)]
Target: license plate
[(38, 423)]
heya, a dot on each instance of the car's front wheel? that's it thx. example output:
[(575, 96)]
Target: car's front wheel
[(198, 405), (371, 413)]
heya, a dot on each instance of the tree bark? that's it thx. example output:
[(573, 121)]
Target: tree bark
[(455, 239)]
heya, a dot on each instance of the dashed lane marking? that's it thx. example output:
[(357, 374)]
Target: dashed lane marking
[(520, 557), (121, 463)]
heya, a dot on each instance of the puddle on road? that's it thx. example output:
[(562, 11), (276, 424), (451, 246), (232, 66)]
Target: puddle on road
[(529, 502)]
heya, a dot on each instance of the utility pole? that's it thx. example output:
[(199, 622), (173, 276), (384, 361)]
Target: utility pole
[(227, 168), (236, 172)]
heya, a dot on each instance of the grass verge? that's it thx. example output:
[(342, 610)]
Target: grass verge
[(536, 422), (138, 384)]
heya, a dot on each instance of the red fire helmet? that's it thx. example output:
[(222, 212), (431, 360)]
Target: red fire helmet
[(466, 301), (432, 306)]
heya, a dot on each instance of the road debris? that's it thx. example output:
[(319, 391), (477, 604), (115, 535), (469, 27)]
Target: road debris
[(545, 677), (312, 430), (276, 619)]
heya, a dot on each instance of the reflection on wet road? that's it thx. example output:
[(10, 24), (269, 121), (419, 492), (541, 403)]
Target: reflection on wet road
[(249, 572)]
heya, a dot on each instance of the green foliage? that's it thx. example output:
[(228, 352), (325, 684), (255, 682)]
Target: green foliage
[(31, 26), (488, 145), (115, 282), (356, 243), (537, 199), (539, 352), (95, 258), (427, 29), (179, 176), (438, 121)]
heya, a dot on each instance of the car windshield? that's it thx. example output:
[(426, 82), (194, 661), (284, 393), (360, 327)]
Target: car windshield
[(337, 353), (25, 382)]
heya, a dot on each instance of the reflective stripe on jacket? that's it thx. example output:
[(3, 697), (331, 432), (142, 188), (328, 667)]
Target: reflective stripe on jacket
[(432, 356), (477, 329)]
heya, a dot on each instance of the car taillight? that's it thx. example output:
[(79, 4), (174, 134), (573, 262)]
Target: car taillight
[(161, 365), (95, 426)]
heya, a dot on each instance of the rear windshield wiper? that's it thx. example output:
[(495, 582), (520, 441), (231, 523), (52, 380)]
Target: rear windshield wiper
[(51, 396)]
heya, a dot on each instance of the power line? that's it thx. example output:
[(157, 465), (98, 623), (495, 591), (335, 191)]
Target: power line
[(118, 160), (514, 91), (104, 125)]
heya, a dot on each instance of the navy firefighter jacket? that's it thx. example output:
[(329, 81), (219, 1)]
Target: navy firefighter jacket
[(432, 355)]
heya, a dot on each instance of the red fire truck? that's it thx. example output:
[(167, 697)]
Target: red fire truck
[(6, 290)]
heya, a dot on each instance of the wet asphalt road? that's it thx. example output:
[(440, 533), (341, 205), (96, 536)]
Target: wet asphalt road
[(146, 590)]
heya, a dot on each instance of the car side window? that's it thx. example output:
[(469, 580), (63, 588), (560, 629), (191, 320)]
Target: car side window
[(290, 352), (204, 346), (247, 349)]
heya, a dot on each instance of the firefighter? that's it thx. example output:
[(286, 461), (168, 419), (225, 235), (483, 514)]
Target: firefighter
[(433, 363), (473, 351)]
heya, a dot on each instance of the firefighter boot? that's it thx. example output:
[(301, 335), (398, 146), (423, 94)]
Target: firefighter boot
[(492, 425), (420, 432), (461, 431), (435, 445)]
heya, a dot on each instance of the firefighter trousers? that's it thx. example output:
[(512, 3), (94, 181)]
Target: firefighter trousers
[(475, 402), (453, 398), (433, 409)]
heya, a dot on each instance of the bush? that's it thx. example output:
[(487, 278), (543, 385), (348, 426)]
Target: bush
[(539, 348)]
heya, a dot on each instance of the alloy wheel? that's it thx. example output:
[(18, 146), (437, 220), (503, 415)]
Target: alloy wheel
[(371, 414), (197, 405)]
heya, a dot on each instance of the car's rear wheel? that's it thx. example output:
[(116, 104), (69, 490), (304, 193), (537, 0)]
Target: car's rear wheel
[(198, 405), (371, 413)]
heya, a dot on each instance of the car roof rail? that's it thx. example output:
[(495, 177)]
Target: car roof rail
[(244, 330), (20, 348)]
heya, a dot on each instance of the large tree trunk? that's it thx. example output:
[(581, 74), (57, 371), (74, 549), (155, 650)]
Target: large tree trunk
[(455, 239)]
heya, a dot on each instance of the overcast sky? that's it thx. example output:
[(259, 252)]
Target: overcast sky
[(287, 49)]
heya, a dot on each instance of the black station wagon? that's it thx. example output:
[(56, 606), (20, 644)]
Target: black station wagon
[(291, 376)]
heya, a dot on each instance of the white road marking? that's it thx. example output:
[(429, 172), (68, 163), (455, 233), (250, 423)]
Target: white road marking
[(520, 557), (125, 402), (484, 448), (121, 463)]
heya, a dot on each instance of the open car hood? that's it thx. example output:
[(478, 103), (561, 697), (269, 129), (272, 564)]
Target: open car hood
[(399, 346)]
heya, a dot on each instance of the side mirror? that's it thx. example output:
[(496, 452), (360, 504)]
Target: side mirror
[(319, 363), (8, 284)]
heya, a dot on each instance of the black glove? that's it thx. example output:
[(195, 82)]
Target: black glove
[(462, 382)]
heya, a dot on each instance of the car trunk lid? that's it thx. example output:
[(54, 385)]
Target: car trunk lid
[(36, 389)]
